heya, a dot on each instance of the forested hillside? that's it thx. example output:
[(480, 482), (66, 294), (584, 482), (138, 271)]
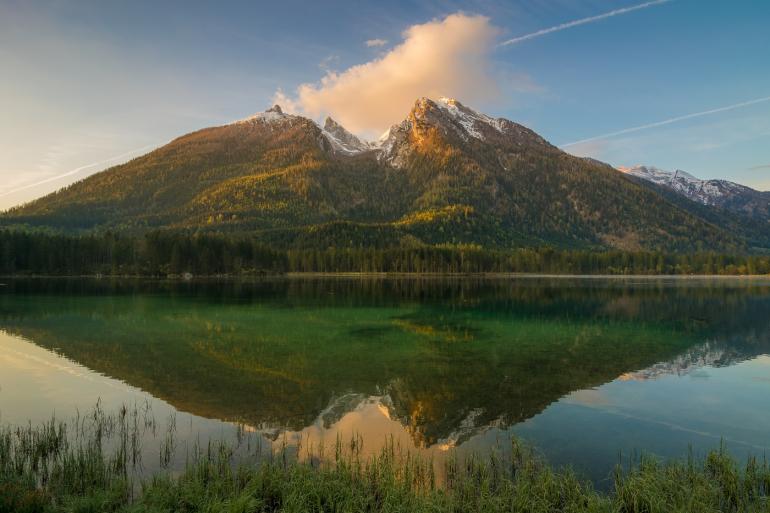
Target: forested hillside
[(446, 175)]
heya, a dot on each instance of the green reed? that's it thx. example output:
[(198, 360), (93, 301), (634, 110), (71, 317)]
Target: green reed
[(93, 464)]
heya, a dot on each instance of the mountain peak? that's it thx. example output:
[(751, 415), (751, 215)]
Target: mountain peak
[(274, 113), (451, 119), (330, 125), (441, 99), (707, 192), (453, 116), (342, 140)]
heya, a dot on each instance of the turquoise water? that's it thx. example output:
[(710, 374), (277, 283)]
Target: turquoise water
[(590, 371)]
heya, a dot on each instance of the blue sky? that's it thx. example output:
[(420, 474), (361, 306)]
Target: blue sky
[(86, 84)]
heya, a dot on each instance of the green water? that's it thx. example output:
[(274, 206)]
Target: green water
[(586, 370)]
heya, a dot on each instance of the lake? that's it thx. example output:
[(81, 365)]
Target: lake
[(591, 371)]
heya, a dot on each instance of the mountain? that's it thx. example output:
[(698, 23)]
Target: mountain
[(342, 140), (736, 208), (445, 175), (719, 193)]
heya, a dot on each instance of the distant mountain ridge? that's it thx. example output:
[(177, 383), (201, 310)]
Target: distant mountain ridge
[(720, 193), (446, 174)]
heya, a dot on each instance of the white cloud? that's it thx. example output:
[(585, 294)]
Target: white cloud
[(447, 57), (376, 42)]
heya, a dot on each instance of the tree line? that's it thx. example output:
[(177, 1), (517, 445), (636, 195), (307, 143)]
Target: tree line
[(174, 253)]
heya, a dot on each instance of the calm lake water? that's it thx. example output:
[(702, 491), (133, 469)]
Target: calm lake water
[(589, 371)]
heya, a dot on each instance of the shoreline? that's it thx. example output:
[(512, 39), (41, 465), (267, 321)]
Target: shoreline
[(390, 479), (387, 275), (521, 275)]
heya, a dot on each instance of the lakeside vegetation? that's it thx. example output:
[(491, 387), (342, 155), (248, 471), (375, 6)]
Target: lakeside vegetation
[(91, 465), (164, 253)]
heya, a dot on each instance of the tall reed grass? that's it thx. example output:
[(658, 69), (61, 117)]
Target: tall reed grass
[(93, 464)]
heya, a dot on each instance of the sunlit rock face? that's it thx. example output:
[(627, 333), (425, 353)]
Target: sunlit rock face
[(446, 118)]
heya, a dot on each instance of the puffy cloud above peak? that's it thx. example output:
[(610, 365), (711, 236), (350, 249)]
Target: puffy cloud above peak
[(446, 57)]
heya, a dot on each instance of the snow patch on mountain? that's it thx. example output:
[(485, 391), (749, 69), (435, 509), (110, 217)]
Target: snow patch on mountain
[(271, 115), (708, 192), (394, 146), (448, 115), (468, 118), (385, 142), (343, 141)]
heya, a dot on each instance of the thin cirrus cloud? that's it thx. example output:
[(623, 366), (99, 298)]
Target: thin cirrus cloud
[(760, 167), (666, 122), (373, 43), (582, 21), (78, 170), (446, 57)]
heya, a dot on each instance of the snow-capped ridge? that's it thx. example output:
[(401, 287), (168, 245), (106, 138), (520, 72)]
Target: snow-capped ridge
[(342, 140), (469, 122), (271, 115), (451, 118), (447, 114), (707, 192), (468, 118)]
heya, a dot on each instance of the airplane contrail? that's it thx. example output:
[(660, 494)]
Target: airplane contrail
[(78, 170), (582, 21), (669, 121)]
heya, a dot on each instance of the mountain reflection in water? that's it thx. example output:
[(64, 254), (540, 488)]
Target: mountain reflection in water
[(436, 363)]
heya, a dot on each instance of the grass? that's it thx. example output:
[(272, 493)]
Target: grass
[(91, 464)]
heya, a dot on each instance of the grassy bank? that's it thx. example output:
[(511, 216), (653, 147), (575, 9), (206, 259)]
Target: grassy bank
[(89, 465)]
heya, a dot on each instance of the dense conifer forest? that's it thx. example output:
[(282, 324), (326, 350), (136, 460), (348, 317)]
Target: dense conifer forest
[(165, 253)]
